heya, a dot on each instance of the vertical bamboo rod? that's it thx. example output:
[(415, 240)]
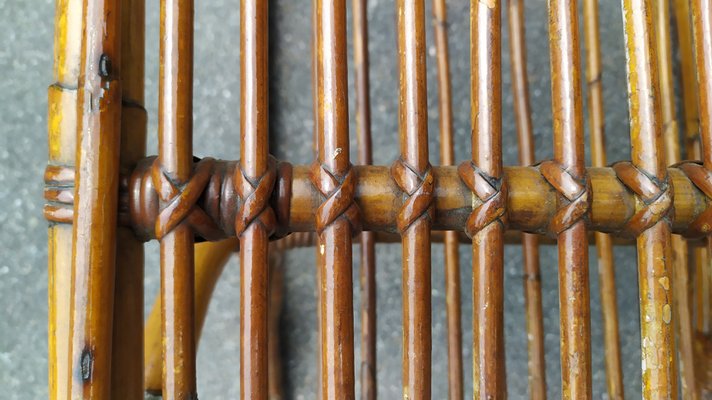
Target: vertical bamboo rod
[(673, 155), (95, 201), (451, 245), (654, 251), (530, 242), (487, 244), (415, 178), (127, 355), (254, 240), (333, 169), (604, 245), (62, 134), (368, 257), (175, 157), (567, 108)]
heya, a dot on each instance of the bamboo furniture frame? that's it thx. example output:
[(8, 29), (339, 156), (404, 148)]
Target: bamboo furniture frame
[(105, 197)]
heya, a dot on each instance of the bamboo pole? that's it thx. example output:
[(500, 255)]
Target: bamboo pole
[(451, 244), (175, 160), (673, 155), (604, 244), (62, 134), (412, 173), (530, 242), (368, 257), (127, 354), (95, 201), (337, 217), (654, 251), (487, 236), (567, 111)]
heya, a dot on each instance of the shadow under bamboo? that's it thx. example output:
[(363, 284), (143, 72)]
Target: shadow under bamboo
[(530, 242), (127, 354), (175, 157), (451, 244), (334, 245), (654, 250), (95, 201), (673, 155), (62, 135), (567, 109), (368, 257), (604, 244), (415, 242), (254, 255)]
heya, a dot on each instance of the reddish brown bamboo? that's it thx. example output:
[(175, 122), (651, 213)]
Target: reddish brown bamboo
[(654, 251), (256, 220), (486, 223), (368, 256), (175, 160), (451, 244), (604, 244), (673, 155), (127, 353), (337, 216), (702, 34), (567, 109), (413, 175), (95, 201), (530, 242)]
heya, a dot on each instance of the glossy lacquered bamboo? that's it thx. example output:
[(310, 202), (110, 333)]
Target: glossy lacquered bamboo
[(530, 242), (567, 109), (95, 201), (654, 250), (368, 257), (413, 132), (175, 158), (62, 135), (489, 378), (127, 347), (210, 260), (673, 155), (451, 243), (254, 148), (334, 241), (604, 244)]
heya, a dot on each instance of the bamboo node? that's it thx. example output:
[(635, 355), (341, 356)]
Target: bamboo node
[(574, 196), (179, 201), (655, 194), (491, 191), (419, 191), (338, 192), (255, 194), (59, 194)]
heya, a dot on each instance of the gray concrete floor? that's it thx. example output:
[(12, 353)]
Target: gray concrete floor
[(25, 62)]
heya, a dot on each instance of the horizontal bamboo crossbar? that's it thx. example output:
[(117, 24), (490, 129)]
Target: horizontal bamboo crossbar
[(531, 202)]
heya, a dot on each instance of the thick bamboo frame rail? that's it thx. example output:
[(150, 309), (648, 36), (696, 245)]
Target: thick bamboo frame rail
[(105, 198)]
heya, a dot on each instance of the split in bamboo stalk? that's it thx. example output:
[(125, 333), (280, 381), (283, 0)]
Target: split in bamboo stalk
[(530, 242), (368, 256), (653, 242), (573, 201), (174, 166), (486, 225), (412, 174), (604, 244), (337, 217), (451, 245), (95, 201)]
